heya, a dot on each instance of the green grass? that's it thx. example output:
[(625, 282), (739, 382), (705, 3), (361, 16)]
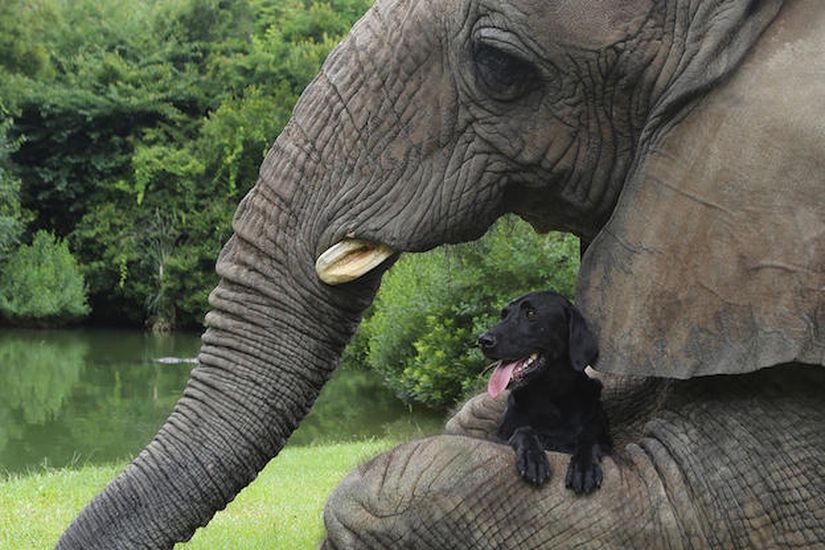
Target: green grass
[(281, 509)]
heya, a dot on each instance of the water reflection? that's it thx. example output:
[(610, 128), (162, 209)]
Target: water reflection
[(355, 405), (83, 396), (38, 390), (94, 396)]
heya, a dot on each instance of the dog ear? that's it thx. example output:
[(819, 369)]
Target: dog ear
[(581, 344)]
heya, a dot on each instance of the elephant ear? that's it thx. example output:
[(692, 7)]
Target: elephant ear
[(714, 259)]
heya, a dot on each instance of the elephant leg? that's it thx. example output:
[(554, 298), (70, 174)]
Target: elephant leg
[(720, 462)]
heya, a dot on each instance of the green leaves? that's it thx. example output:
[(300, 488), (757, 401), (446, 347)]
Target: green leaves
[(175, 169), (236, 136), (12, 216)]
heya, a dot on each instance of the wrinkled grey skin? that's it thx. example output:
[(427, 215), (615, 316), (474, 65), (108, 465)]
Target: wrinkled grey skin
[(403, 139), (713, 462)]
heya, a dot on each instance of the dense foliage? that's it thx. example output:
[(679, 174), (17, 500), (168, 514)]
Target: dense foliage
[(138, 127), (12, 216), (421, 333), (42, 284)]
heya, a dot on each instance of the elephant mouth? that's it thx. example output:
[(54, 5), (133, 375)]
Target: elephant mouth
[(350, 259), (513, 373)]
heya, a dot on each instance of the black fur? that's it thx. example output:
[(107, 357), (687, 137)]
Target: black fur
[(553, 404)]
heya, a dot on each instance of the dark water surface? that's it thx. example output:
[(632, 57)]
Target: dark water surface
[(90, 396)]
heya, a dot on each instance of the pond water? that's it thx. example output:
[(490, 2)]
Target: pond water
[(77, 397)]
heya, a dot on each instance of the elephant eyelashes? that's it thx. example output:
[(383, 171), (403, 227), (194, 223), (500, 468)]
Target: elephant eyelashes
[(503, 75)]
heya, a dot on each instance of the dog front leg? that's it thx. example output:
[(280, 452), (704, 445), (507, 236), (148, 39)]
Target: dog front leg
[(584, 473), (531, 460)]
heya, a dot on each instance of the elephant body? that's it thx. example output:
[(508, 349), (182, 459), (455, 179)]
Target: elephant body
[(733, 268), (731, 279), (682, 138), (712, 462)]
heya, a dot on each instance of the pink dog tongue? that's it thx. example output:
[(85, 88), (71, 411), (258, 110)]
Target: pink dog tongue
[(500, 378)]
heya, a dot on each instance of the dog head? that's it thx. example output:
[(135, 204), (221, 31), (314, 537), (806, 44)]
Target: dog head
[(537, 331)]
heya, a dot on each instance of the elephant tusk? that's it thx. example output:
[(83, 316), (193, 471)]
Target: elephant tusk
[(350, 259)]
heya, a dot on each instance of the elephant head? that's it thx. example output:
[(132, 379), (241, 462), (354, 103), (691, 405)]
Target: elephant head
[(427, 123)]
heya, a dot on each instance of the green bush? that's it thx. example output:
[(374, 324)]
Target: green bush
[(12, 217), (420, 334), (41, 284)]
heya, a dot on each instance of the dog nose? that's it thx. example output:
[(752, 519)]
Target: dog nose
[(486, 341)]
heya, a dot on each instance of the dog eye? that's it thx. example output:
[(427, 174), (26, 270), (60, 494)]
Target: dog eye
[(530, 314)]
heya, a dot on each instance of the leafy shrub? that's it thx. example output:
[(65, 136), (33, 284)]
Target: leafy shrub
[(12, 217), (420, 334), (42, 284)]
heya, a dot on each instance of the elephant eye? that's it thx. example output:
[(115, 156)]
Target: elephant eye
[(504, 75), (530, 314)]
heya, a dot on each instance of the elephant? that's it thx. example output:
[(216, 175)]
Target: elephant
[(681, 141)]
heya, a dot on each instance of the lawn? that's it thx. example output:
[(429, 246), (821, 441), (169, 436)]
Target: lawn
[(281, 509)]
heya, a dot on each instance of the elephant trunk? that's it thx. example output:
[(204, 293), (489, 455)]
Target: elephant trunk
[(275, 333)]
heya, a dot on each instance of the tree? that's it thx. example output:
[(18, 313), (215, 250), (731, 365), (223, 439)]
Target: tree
[(12, 217), (154, 111)]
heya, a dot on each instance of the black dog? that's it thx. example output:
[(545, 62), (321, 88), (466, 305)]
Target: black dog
[(543, 345)]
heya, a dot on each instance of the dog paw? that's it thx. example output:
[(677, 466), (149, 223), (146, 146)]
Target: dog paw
[(583, 477), (533, 465)]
